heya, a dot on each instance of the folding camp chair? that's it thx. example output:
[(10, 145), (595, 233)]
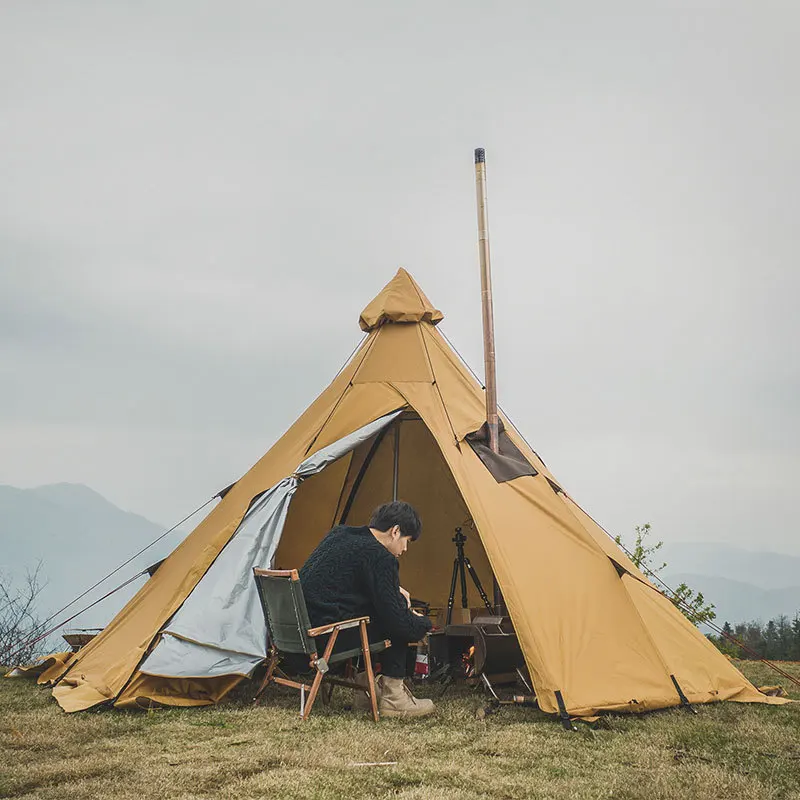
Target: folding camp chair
[(290, 631)]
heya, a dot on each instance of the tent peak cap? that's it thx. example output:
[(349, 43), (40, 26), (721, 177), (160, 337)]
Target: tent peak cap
[(401, 300)]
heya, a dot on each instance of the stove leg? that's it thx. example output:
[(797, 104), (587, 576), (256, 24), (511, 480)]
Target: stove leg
[(488, 684), (524, 681)]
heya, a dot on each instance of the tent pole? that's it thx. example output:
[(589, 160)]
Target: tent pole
[(357, 482), (396, 471), (492, 418)]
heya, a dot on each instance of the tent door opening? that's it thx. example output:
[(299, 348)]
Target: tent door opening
[(401, 462)]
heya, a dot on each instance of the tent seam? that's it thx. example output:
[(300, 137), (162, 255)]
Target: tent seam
[(650, 637), (510, 422), (622, 566), (205, 644), (419, 295), (341, 397), (435, 383)]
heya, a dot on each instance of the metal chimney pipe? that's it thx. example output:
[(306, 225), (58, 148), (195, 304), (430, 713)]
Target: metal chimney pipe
[(492, 419)]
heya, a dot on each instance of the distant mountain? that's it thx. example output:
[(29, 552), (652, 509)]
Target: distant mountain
[(744, 585), (739, 602), (757, 568), (78, 536)]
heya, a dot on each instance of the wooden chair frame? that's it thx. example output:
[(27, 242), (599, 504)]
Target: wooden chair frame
[(321, 664)]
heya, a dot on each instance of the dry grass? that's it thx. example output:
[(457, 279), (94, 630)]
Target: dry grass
[(727, 750)]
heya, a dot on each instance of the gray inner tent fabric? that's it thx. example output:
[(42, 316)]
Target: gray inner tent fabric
[(219, 629)]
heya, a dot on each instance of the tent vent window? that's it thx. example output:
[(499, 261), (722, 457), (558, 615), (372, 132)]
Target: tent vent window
[(504, 466)]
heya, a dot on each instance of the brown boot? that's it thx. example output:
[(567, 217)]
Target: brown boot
[(361, 701), (397, 701)]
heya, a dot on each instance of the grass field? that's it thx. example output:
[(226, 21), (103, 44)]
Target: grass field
[(728, 750)]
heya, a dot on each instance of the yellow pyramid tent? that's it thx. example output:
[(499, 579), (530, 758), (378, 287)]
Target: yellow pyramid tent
[(402, 418)]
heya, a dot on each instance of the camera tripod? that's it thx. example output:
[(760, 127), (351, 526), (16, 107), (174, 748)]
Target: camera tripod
[(461, 562)]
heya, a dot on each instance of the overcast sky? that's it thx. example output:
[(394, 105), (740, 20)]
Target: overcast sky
[(198, 198)]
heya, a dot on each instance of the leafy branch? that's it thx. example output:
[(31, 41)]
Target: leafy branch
[(692, 604)]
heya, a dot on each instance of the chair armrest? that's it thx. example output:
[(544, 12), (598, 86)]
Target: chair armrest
[(277, 573), (346, 623)]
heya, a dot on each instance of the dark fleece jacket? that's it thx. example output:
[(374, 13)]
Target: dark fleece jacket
[(351, 574)]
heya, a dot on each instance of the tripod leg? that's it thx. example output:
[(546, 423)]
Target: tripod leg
[(478, 585), (464, 599), (452, 596)]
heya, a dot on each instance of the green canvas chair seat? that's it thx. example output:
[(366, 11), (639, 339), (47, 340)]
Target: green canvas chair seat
[(290, 632)]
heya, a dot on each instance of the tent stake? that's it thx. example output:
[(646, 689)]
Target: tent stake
[(684, 701), (492, 418), (566, 722)]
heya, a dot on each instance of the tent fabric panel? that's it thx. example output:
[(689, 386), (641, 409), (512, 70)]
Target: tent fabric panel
[(578, 630), (703, 672), (597, 649), (223, 611), (308, 524), (439, 420), (603, 540), (44, 669), (314, 511), (178, 658), (462, 394), (425, 481), (75, 693), (465, 399), (221, 626), (310, 513), (427, 567), (396, 355), (108, 661), (55, 667), (332, 452), (145, 691), (361, 404)]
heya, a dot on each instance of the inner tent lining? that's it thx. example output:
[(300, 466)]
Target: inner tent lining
[(424, 480)]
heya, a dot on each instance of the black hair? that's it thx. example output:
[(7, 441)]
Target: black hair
[(397, 513)]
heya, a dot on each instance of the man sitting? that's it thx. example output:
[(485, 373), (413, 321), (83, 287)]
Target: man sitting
[(353, 572)]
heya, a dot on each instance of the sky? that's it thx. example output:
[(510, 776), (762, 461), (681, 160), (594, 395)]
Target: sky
[(198, 198)]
